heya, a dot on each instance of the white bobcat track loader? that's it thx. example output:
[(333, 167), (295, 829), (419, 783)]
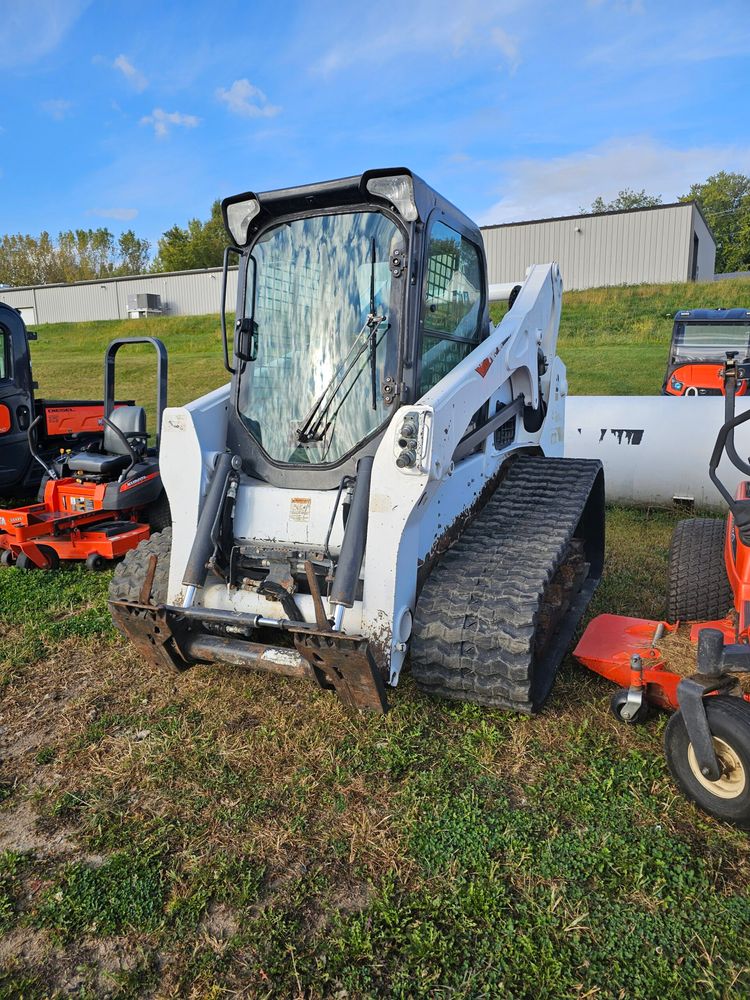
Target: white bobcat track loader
[(383, 476)]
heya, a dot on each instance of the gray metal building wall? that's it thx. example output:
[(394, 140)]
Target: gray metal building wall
[(613, 248), (183, 293)]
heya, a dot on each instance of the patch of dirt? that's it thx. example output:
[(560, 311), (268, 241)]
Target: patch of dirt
[(19, 832), (219, 923)]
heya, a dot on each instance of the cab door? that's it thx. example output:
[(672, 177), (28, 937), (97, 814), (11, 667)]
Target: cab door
[(16, 399)]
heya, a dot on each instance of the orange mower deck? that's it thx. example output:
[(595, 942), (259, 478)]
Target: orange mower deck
[(70, 523), (610, 641)]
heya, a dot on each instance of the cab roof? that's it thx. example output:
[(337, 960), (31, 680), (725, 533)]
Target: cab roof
[(712, 315)]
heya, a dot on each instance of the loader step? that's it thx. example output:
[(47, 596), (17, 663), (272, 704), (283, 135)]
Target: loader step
[(498, 611)]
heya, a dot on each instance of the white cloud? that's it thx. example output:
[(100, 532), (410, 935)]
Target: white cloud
[(508, 46), (244, 98), (57, 109), (135, 78), (536, 189), (34, 28), (162, 120), (121, 214), (423, 27)]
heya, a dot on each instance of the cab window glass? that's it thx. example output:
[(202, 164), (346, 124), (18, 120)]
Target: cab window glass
[(453, 299), (4, 354)]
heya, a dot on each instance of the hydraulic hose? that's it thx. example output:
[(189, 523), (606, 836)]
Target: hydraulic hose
[(355, 536), (203, 543)]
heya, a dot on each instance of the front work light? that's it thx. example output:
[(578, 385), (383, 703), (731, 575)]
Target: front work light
[(239, 212), (676, 385), (398, 189)]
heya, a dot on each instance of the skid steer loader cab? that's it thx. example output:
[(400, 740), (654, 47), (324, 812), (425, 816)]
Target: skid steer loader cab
[(383, 474), (354, 297)]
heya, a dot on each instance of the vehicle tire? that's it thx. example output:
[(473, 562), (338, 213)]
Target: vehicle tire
[(130, 574), (617, 702), (698, 587), (95, 563), (6, 557), (158, 514), (728, 798)]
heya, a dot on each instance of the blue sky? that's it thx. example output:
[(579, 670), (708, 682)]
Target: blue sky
[(140, 114)]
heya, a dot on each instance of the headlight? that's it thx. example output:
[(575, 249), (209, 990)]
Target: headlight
[(676, 385), (239, 212), (398, 189)]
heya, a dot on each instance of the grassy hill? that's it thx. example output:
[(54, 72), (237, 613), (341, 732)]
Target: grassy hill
[(613, 340)]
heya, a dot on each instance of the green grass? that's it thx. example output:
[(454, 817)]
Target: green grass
[(220, 833), (614, 341)]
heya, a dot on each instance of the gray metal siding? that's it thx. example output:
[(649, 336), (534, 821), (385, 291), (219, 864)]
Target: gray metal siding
[(626, 248), (190, 293), (706, 248)]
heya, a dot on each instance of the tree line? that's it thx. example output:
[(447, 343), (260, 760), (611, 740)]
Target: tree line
[(82, 254)]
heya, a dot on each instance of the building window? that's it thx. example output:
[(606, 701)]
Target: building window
[(453, 298)]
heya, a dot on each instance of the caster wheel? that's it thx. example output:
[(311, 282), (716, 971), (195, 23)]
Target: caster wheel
[(6, 558), (617, 703), (52, 560), (95, 563), (728, 798)]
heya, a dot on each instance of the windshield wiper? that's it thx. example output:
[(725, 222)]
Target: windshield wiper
[(315, 425)]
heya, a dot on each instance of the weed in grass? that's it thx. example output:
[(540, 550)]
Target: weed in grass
[(46, 755), (125, 893), (12, 865)]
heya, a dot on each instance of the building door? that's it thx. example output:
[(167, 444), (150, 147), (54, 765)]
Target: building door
[(694, 266)]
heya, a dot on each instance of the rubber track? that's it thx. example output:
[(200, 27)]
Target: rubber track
[(698, 587), (475, 620)]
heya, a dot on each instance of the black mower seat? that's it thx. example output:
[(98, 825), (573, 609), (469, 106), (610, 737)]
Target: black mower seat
[(114, 456)]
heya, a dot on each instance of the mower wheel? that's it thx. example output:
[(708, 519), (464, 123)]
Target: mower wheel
[(6, 557), (95, 563), (52, 559), (617, 703), (728, 798), (698, 586)]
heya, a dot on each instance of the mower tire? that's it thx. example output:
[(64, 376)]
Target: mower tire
[(698, 587), (51, 557), (727, 799), (131, 574), (617, 703), (6, 557), (95, 563)]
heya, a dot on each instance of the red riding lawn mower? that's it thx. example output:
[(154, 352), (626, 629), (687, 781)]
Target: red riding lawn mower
[(100, 502), (707, 740)]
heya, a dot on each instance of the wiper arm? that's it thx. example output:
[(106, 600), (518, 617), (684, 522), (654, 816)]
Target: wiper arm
[(311, 426)]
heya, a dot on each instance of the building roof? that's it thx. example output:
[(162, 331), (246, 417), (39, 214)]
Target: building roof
[(594, 215)]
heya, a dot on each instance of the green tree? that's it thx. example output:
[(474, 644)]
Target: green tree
[(133, 254), (724, 199), (76, 255), (625, 200), (199, 244)]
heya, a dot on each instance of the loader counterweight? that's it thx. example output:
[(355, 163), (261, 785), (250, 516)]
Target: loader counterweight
[(377, 431)]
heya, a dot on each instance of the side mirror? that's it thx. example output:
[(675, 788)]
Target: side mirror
[(246, 340)]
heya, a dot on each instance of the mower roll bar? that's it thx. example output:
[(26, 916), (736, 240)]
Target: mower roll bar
[(162, 372)]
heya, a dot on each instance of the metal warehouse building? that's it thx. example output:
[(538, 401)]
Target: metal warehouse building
[(182, 293), (644, 245), (663, 244)]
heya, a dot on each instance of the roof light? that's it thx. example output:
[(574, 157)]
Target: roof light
[(239, 212), (398, 189)]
